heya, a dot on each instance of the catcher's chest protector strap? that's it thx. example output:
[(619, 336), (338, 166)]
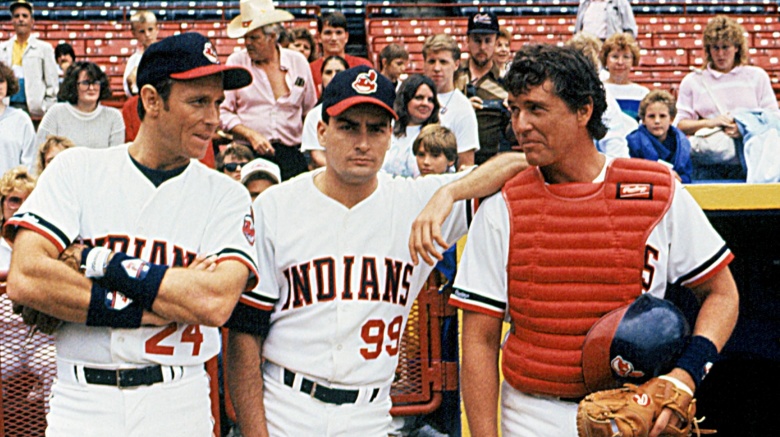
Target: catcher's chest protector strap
[(576, 253)]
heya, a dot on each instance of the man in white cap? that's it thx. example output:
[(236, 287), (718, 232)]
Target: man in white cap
[(259, 175), (269, 113)]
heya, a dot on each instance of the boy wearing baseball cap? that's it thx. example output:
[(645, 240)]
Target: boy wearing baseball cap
[(338, 284), (259, 175), (168, 249)]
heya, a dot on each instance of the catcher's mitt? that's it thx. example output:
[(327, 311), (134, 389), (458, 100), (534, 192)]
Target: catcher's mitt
[(631, 411), (38, 321)]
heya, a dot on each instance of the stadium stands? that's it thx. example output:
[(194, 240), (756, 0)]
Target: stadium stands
[(669, 32)]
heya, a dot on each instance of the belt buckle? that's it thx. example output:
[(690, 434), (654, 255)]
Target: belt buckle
[(313, 391), (118, 375)]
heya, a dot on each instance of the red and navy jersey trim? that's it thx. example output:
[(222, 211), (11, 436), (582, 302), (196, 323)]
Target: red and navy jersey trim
[(707, 269), (477, 303), (34, 222)]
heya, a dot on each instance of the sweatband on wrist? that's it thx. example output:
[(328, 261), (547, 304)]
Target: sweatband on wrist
[(135, 278), (94, 260), (112, 309), (694, 360)]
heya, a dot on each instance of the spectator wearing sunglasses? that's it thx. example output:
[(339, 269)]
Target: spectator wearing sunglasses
[(15, 185), (232, 159), (79, 116)]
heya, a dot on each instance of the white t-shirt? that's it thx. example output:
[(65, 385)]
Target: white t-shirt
[(628, 97), (309, 140), (399, 159), (458, 115)]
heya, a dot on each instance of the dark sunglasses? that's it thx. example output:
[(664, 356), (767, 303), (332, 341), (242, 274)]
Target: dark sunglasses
[(234, 166)]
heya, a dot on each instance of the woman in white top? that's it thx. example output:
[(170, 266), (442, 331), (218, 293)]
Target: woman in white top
[(417, 106), (619, 54), (80, 116)]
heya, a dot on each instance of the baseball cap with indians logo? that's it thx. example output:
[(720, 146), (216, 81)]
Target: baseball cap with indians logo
[(185, 57), (355, 86)]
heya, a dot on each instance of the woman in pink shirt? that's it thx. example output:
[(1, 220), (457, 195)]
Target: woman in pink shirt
[(707, 97)]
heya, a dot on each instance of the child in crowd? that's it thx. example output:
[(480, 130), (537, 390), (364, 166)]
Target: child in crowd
[(435, 149), (656, 139)]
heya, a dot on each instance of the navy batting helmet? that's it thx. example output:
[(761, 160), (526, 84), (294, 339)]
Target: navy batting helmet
[(634, 343)]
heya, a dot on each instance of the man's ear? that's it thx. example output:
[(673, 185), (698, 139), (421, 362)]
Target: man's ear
[(584, 113), (322, 130), (151, 99)]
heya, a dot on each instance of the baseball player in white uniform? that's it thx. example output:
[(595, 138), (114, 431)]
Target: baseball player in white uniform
[(140, 325), (339, 282), (550, 255)]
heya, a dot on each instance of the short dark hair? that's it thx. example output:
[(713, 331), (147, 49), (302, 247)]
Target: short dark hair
[(64, 49), (69, 90), (240, 151), (338, 58), (332, 19), (574, 79), (163, 88), (390, 53), (405, 95), (12, 83)]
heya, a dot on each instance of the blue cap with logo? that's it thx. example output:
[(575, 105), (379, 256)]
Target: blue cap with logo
[(355, 86), (185, 57)]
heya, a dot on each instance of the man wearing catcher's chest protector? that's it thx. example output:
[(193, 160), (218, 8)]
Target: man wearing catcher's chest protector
[(168, 249), (567, 241)]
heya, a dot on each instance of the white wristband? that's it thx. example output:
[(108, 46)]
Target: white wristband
[(96, 262), (677, 383)]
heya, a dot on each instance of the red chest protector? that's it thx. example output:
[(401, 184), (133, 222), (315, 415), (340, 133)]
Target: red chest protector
[(576, 252)]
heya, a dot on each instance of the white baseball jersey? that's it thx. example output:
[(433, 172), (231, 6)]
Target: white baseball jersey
[(342, 278), (683, 248), (103, 198)]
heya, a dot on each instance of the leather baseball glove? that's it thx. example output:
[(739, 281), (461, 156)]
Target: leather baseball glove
[(38, 321), (631, 411)]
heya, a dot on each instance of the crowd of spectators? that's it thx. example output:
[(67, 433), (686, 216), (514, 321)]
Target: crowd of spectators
[(450, 117)]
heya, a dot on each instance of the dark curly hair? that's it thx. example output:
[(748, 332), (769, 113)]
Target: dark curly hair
[(573, 76), (7, 75), (69, 90), (405, 95)]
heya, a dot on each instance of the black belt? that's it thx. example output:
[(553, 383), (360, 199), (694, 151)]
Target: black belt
[(124, 378), (325, 394)]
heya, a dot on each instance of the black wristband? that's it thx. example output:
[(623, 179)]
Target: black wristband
[(694, 360), (135, 278), (112, 309)]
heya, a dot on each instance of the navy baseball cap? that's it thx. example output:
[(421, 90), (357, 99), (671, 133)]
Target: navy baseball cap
[(482, 22), (358, 85), (185, 57)]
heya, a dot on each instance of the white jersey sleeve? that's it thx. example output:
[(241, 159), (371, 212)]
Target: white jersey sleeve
[(480, 284)]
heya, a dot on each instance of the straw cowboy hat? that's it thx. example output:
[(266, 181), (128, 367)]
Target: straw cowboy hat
[(255, 14)]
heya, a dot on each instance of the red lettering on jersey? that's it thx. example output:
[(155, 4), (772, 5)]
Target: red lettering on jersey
[(648, 272), (286, 305), (325, 271), (159, 253), (392, 280), (138, 247), (368, 279), (347, 293), (301, 285), (118, 243), (408, 272)]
